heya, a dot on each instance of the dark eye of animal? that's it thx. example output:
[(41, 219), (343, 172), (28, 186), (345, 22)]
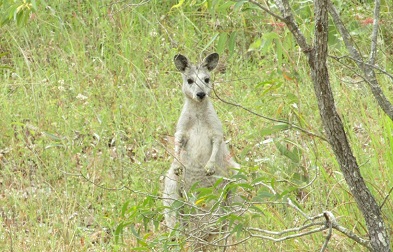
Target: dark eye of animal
[(190, 81), (207, 80)]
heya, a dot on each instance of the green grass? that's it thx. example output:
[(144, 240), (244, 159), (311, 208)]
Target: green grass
[(91, 94)]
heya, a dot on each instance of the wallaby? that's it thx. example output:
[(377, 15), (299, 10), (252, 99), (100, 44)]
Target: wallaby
[(200, 150)]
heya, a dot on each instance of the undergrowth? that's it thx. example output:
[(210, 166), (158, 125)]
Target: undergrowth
[(89, 99)]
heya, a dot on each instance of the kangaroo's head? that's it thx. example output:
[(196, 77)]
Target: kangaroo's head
[(196, 78)]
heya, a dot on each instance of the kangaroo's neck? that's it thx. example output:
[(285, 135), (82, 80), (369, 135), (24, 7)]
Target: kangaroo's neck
[(198, 107)]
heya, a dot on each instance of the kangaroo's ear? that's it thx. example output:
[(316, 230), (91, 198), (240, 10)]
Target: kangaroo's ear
[(211, 61), (181, 62)]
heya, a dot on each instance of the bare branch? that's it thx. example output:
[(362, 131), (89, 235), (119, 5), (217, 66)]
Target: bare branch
[(289, 20), (353, 236), (329, 221), (344, 33), (374, 36), (286, 231), (366, 64), (316, 230)]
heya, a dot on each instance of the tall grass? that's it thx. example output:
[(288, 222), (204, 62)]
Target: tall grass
[(91, 96)]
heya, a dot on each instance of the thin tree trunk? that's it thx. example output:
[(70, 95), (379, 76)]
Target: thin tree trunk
[(336, 135), (317, 59)]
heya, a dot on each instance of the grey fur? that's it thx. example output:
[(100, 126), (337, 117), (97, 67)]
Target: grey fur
[(200, 150)]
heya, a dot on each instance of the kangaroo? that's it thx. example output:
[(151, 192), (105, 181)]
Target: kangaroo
[(200, 150)]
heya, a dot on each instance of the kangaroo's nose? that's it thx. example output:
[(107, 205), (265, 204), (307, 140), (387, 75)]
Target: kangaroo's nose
[(201, 95)]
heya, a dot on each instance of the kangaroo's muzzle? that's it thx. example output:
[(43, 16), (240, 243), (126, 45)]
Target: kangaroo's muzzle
[(201, 95)]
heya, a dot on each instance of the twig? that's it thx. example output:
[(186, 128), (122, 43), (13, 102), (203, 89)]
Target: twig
[(269, 118), (328, 217), (100, 186), (290, 203), (386, 198), (362, 62), (267, 10), (348, 41)]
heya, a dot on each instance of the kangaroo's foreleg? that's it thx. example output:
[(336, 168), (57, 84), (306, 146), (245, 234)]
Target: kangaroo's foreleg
[(211, 164), (180, 142)]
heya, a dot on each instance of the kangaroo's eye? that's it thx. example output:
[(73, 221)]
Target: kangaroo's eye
[(207, 80), (190, 81)]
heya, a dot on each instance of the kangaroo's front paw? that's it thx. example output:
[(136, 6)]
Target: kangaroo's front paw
[(210, 169), (177, 169)]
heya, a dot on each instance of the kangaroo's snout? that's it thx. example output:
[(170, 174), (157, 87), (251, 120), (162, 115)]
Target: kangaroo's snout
[(201, 95)]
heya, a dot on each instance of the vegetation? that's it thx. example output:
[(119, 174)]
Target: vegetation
[(89, 98)]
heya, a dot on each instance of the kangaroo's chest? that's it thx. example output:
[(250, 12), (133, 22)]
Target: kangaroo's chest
[(199, 137)]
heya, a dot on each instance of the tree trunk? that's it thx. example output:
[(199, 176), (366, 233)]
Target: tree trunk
[(317, 58), (336, 135)]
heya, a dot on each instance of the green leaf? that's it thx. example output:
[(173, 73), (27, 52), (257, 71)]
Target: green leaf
[(239, 5), (238, 230), (257, 209), (203, 191), (232, 43), (245, 186), (119, 230), (279, 52), (264, 194), (256, 45), (257, 180), (5, 67), (288, 191), (136, 234), (211, 42), (34, 4), (294, 155), (124, 208), (218, 181), (221, 44), (239, 176), (291, 98), (273, 129), (179, 5), (299, 178), (264, 83), (52, 136), (268, 41)]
